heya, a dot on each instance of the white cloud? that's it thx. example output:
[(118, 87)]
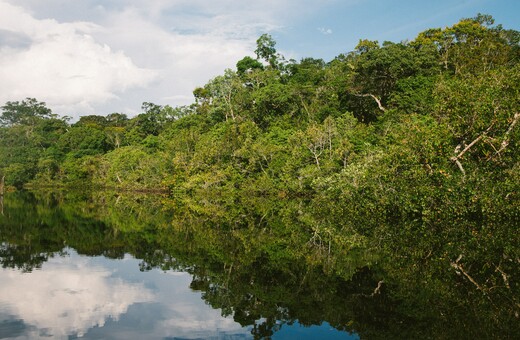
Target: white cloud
[(110, 56), (63, 64), (325, 31), (77, 295)]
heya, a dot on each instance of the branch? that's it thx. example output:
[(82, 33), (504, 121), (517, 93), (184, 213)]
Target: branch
[(504, 277), (378, 101), (458, 267), (505, 141), (458, 154), (459, 164), (305, 106), (377, 290)]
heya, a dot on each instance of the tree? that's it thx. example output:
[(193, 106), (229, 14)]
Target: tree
[(265, 49), (377, 71), (117, 119), (26, 112), (248, 64), (83, 140), (217, 97), (482, 113), (471, 46), (94, 121), (150, 122)]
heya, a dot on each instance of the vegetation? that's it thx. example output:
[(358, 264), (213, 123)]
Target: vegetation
[(441, 109), (411, 148)]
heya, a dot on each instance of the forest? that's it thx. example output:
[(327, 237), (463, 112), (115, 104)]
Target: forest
[(421, 129), (395, 128), (411, 148)]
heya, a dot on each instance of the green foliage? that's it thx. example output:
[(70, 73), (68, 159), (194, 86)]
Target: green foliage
[(93, 121), (265, 49), (410, 150), (248, 64), (391, 131), (78, 169), (26, 112), (131, 167), (267, 263), (83, 140), (414, 94)]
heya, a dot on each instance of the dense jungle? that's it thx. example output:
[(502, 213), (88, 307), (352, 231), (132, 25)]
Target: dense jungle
[(389, 175)]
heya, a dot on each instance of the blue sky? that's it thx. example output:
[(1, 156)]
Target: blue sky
[(337, 28), (103, 56)]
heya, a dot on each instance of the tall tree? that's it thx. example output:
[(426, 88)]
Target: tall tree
[(265, 49)]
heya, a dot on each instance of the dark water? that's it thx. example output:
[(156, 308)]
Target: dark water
[(114, 266)]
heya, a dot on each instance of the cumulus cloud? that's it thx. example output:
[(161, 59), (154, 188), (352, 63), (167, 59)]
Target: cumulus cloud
[(109, 56), (61, 63)]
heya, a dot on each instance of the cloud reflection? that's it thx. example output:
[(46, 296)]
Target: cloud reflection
[(94, 297), (67, 298)]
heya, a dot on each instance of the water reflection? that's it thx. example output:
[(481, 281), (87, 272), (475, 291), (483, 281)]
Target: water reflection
[(100, 298), (69, 297), (106, 265)]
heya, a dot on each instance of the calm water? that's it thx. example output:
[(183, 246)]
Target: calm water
[(113, 266), (94, 297)]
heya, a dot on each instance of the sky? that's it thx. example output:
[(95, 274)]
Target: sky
[(87, 57)]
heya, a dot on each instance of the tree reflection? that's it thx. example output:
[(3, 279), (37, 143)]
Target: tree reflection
[(259, 264)]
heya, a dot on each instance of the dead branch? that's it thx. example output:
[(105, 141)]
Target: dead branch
[(458, 155), (459, 267), (505, 140), (378, 100), (504, 277), (377, 290)]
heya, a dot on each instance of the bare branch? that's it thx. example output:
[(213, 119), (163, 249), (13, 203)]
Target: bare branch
[(458, 154), (504, 277), (377, 290), (505, 141), (378, 100), (459, 164), (459, 267)]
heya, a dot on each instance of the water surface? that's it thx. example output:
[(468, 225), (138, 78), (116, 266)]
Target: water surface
[(126, 266)]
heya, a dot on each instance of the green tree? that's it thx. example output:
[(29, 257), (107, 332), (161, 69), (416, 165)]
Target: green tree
[(248, 64), (94, 121), (265, 49), (481, 112), (83, 140), (26, 112)]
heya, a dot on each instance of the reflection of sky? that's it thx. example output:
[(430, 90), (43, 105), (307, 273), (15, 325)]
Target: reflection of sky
[(325, 331), (100, 298)]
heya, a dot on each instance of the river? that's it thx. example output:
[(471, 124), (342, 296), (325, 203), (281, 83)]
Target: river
[(99, 265)]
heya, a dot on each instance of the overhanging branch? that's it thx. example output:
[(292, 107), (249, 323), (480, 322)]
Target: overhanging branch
[(505, 139)]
